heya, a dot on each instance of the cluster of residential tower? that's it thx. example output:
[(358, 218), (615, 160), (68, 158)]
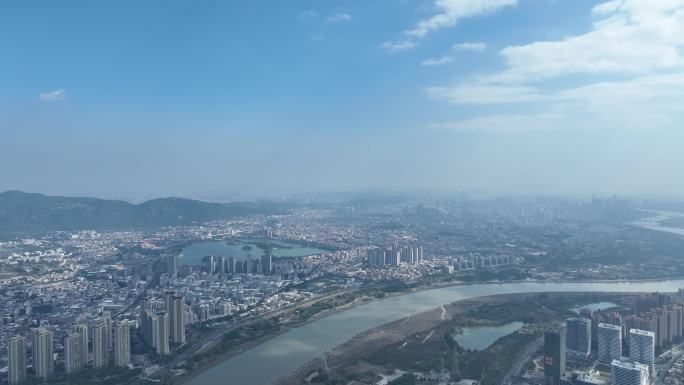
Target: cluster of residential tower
[(394, 255), (78, 355), (657, 323)]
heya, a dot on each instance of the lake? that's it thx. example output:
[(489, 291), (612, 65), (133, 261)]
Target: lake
[(193, 253), (281, 355), (481, 337)]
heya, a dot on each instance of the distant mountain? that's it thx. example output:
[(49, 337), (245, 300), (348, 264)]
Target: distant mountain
[(28, 213)]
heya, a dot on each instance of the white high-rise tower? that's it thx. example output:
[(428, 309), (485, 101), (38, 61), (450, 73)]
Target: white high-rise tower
[(609, 343), (122, 344), (629, 373), (16, 349), (642, 347)]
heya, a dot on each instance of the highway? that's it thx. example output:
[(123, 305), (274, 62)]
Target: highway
[(676, 353), (522, 361)]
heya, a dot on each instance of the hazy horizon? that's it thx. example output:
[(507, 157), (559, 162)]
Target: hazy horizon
[(509, 97)]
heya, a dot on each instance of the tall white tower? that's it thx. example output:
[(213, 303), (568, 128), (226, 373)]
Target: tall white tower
[(609, 343)]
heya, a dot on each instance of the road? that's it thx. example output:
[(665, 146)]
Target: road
[(522, 361), (677, 353)]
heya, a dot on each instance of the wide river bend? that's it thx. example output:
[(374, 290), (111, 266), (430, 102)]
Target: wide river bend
[(281, 355)]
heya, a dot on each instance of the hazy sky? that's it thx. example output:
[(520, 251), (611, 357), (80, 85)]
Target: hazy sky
[(136, 98)]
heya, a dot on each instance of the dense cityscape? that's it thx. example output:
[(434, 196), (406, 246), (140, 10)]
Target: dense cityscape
[(138, 306)]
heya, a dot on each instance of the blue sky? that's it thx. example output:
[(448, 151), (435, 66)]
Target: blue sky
[(137, 98)]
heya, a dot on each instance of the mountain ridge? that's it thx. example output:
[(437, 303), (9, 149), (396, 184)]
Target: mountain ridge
[(31, 213)]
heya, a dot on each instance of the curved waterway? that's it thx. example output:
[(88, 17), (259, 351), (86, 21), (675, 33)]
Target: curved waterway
[(280, 356), (654, 223)]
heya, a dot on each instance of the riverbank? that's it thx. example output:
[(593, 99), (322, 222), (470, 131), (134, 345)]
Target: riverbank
[(296, 332), (212, 362), (208, 362)]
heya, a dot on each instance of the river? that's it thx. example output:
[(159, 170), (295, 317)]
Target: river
[(281, 355), (654, 222)]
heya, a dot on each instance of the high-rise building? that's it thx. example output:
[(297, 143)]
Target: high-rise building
[(406, 255), (211, 264), (629, 373), (645, 303), (642, 347), (146, 304), (100, 351), (43, 352), (221, 265), (663, 299), (554, 356), (82, 331), (661, 328), (613, 318), (670, 320), (376, 257), (393, 257), (16, 363), (609, 343), (107, 319), (146, 327), (266, 263), (122, 344), (231, 268), (678, 310), (168, 298), (248, 265), (160, 329), (72, 353), (176, 314), (203, 312), (578, 336), (172, 265), (645, 322)]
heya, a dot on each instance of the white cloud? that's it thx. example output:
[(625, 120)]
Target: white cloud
[(628, 37), (660, 87), (483, 94), (470, 46), (339, 17), (451, 12), (505, 123), (626, 71), (437, 61), (670, 86), (307, 15), (606, 8), (52, 96), (397, 46)]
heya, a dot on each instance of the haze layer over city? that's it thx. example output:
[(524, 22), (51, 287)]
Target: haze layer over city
[(413, 192)]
